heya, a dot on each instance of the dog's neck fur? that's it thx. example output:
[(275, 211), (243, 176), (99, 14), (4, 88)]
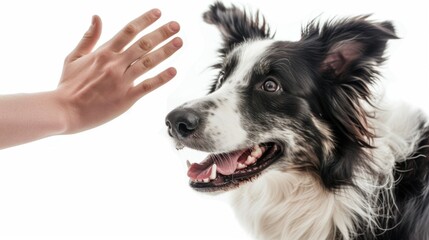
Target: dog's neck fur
[(272, 208)]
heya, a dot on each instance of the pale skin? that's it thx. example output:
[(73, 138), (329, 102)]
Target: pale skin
[(95, 86)]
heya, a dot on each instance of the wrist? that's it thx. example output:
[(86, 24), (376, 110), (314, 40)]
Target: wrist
[(57, 109)]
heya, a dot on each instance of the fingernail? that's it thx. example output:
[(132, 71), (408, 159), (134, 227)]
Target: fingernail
[(93, 20), (156, 12), (174, 26), (177, 42)]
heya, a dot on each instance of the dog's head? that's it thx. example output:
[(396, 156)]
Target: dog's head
[(282, 105)]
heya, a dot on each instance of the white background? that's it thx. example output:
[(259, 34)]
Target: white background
[(125, 180)]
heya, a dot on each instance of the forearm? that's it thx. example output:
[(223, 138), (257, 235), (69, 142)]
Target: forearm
[(28, 117)]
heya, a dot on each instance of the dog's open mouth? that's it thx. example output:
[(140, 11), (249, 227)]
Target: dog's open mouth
[(226, 170)]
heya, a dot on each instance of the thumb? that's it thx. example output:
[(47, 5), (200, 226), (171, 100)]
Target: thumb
[(88, 40)]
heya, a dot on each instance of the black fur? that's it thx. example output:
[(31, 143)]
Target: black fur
[(235, 25)]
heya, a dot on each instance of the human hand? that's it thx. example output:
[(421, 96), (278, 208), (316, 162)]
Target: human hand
[(96, 87)]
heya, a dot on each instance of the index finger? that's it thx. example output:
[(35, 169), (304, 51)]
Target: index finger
[(127, 34)]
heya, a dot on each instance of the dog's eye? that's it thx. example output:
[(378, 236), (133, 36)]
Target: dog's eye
[(270, 86)]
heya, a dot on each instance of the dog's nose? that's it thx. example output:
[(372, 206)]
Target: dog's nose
[(182, 122)]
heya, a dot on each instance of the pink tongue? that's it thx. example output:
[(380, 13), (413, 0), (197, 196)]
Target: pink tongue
[(200, 171), (226, 164)]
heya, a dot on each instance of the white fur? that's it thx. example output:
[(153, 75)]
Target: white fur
[(292, 205), (250, 53)]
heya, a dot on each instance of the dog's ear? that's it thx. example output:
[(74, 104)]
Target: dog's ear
[(236, 25), (348, 54), (353, 44)]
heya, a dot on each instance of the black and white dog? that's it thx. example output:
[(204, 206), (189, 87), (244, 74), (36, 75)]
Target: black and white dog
[(295, 129)]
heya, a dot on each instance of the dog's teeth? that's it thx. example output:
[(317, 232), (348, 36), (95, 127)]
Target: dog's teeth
[(257, 152), (206, 180), (241, 165), (213, 173), (250, 160), (188, 163)]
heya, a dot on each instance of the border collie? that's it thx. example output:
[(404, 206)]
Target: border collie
[(296, 132)]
